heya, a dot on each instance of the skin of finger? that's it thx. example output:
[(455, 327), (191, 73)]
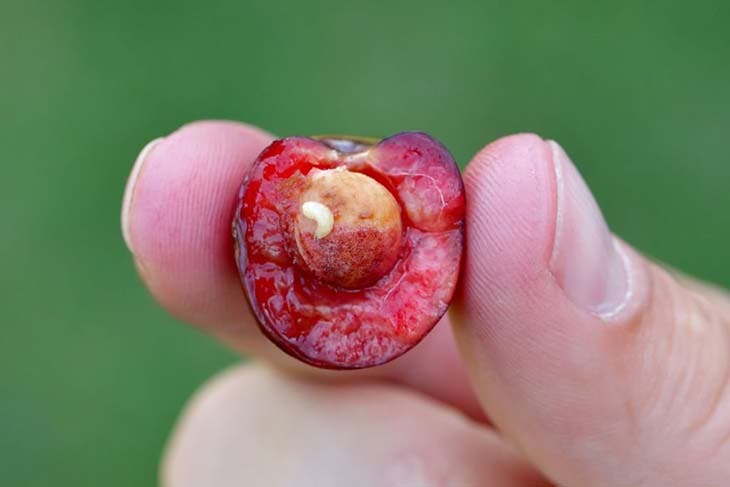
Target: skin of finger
[(252, 426), (715, 296), (434, 368), (637, 399), (180, 220), (179, 227)]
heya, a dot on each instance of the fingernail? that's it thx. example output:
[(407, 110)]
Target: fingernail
[(585, 260), (130, 188)]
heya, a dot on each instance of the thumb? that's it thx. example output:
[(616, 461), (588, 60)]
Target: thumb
[(603, 367)]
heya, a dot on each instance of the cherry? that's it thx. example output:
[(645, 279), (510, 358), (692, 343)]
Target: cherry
[(349, 249)]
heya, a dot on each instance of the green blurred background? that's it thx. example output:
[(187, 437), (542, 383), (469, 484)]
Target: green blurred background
[(92, 373)]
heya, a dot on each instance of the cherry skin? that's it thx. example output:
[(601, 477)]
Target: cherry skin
[(349, 249)]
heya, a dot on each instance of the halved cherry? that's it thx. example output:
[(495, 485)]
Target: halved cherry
[(349, 249)]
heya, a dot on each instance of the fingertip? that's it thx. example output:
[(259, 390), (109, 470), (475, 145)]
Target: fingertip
[(176, 217), (208, 130), (510, 217)]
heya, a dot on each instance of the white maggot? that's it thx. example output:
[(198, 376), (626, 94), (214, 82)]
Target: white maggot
[(321, 214)]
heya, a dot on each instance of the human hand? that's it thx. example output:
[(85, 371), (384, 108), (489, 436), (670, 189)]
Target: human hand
[(593, 365)]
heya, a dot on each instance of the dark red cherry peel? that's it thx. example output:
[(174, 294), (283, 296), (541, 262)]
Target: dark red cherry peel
[(349, 249)]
